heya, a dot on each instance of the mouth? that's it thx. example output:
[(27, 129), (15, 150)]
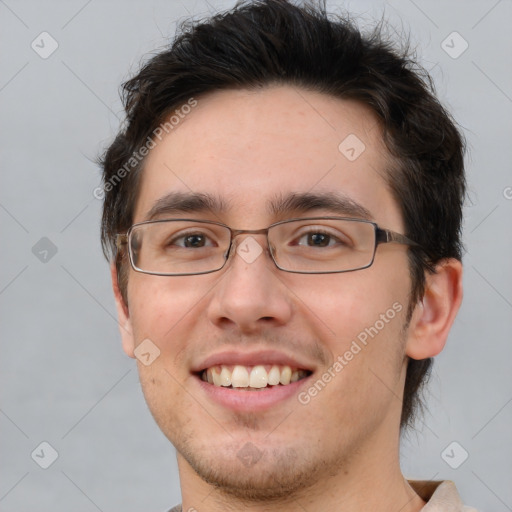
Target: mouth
[(252, 378), (252, 381)]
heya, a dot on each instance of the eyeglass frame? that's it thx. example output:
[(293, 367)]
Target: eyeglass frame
[(382, 236)]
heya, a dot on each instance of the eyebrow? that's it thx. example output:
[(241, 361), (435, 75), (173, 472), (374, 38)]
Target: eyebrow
[(180, 202), (279, 206), (339, 204)]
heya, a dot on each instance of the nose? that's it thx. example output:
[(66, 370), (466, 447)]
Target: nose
[(249, 295)]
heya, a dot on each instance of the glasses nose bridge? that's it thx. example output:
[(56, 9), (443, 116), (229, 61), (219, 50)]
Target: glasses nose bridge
[(237, 232)]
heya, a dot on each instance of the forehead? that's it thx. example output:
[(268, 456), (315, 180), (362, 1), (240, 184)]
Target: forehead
[(249, 147)]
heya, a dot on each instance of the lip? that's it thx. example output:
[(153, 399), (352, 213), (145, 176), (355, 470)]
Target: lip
[(263, 357), (251, 401)]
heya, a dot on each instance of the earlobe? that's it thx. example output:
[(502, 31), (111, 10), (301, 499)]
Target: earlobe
[(434, 315), (123, 314)]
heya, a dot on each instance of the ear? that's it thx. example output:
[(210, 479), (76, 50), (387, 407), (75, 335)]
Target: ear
[(123, 314), (434, 315)]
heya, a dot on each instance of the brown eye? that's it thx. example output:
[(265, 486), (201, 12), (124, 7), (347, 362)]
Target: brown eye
[(318, 239), (194, 241)]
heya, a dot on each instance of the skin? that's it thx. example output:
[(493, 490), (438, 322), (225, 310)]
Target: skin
[(341, 450)]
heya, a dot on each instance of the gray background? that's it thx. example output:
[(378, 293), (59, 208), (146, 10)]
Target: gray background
[(64, 377)]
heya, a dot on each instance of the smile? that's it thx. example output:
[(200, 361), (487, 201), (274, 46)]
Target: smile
[(252, 378)]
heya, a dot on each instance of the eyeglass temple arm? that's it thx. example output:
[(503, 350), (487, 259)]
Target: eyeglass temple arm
[(385, 236), (121, 239)]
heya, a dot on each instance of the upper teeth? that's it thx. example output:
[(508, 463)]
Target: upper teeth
[(258, 376)]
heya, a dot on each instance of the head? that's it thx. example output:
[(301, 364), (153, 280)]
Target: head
[(255, 105)]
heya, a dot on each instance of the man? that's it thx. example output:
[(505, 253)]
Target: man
[(282, 213)]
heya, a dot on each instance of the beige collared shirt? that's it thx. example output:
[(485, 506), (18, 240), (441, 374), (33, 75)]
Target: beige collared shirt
[(441, 496)]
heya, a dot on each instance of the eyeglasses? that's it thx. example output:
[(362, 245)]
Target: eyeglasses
[(316, 245)]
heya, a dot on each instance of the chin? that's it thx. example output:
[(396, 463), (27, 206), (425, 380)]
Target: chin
[(252, 471), (251, 479)]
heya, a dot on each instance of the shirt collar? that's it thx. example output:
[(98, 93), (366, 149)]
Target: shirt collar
[(441, 496)]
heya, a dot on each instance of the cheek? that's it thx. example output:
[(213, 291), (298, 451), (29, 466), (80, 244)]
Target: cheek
[(361, 316), (160, 305), (366, 351), (165, 310), (162, 309), (348, 304)]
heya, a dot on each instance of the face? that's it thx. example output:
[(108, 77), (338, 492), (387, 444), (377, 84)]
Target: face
[(250, 149)]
